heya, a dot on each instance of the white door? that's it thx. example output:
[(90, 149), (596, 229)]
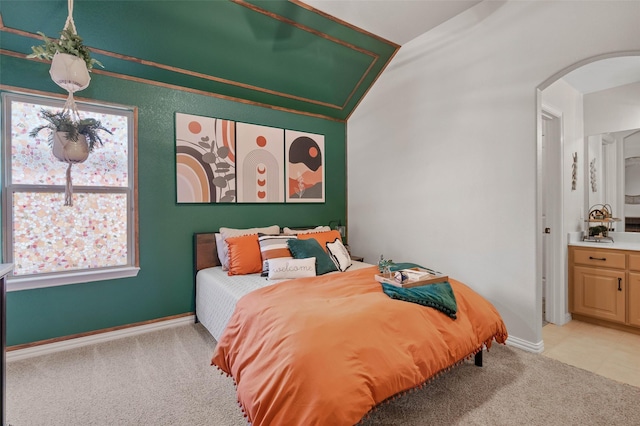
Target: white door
[(551, 202), (546, 229)]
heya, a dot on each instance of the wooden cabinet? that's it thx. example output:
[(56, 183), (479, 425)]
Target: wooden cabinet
[(633, 302), (604, 285), (599, 293), (633, 295)]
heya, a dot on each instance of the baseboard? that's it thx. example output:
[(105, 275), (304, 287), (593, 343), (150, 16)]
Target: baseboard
[(525, 345), (49, 348)]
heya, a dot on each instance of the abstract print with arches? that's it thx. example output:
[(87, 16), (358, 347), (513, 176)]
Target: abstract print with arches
[(205, 159), (305, 167), (260, 155)]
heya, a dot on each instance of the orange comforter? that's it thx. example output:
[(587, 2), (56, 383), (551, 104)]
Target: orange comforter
[(325, 350)]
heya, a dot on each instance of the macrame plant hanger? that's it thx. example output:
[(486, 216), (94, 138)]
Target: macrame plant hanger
[(69, 72), (69, 152)]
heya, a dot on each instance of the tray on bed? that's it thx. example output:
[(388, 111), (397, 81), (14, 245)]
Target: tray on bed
[(417, 277)]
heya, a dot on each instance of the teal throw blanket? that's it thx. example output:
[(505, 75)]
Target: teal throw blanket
[(438, 296)]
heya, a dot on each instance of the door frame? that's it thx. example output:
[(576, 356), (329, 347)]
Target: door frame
[(555, 295)]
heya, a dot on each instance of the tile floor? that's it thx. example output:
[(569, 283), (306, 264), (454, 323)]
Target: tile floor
[(608, 352)]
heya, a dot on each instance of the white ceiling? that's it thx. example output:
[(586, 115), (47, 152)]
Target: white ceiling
[(398, 21), (605, 74)]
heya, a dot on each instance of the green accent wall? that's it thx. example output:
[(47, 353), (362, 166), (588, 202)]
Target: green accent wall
[(165, 284)]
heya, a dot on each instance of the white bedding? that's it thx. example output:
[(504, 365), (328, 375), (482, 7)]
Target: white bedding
[(217, 294)]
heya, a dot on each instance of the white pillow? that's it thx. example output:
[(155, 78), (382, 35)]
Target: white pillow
[(339, 254), (289, 231), (232, 232), (282, 268), (221, 247)]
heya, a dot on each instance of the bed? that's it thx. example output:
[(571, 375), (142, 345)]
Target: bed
[(327, 350), (216, 292)]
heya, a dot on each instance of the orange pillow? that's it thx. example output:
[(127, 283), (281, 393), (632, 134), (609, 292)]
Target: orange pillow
[(244, 255), (322, 237)]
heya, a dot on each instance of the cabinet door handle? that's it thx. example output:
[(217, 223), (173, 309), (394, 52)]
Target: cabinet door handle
[(597, 258), (619, 282)]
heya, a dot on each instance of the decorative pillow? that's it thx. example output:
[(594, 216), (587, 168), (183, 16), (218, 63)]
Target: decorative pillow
[(244, 255), (289, 231), (301, 249), (283, 268), (322, 237), (273, 246), (232, 232), (339, 255), (221, 248)]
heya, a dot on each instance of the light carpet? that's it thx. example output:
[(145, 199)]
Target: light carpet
[(164, 378)]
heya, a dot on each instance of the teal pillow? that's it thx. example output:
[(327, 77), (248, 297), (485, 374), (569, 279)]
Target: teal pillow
[(302, 249)]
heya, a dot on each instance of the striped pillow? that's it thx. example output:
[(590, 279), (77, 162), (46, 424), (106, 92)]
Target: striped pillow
[(272, 247)]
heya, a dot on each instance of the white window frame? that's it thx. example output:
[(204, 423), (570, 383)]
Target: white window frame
[(51, 279)]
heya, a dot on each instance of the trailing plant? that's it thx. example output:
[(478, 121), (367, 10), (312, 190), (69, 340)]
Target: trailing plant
[(61, 121), (70, 43)]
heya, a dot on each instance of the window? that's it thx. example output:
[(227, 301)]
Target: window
[(47, 242)]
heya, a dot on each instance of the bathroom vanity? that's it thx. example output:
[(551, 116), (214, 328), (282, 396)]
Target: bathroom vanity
[(604, 283)]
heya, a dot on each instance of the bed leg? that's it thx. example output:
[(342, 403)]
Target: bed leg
[(478, 359)]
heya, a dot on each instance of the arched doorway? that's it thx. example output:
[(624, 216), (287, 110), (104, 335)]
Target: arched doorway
[(568, 209)]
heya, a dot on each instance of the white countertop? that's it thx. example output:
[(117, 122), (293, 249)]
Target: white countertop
[(621, 241)]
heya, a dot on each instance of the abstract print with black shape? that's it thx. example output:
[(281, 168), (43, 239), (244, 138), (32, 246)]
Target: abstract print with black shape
[(305, 169)]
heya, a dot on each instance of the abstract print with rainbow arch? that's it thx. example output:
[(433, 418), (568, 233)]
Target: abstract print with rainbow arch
[(205, 159), (305, 167), (260, 160)]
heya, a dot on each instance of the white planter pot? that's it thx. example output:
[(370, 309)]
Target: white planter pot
[(69, 72), (70, 151)]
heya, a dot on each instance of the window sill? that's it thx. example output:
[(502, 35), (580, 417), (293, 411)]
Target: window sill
[(31, 282)]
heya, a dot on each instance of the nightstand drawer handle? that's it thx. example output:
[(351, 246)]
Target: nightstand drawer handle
[(597, 258)]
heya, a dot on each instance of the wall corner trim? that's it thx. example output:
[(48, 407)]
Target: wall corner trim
[(525, 345), (46, 347)]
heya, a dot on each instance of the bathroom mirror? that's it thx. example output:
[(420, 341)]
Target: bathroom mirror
[(611, 121), (613, 175)]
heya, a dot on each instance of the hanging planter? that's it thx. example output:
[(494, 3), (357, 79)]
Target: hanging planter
[(71, 140), (71, 60), (69, 72), (62, 69), (67, 150)]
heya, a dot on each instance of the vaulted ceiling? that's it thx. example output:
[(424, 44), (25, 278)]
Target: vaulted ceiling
[(280, 54)]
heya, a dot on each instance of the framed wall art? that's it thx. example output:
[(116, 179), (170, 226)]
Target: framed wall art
[(205, 159), (260, 163), (304, 167), (224, 161)]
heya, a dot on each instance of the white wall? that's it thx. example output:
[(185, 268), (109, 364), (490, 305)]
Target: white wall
[(442, 150)]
